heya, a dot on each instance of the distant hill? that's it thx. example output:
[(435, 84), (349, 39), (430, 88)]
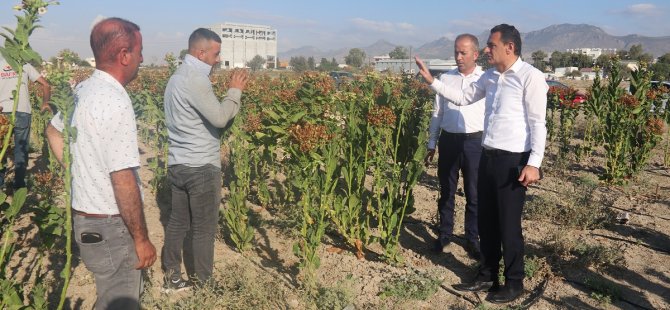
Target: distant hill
[(549, 39)]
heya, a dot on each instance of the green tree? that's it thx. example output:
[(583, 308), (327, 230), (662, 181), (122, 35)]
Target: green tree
[(256, 63), (334, 63), (183, 53), (556, 60), (580, 60), (538, 59), (399, 52), (326, 65), (574, 74), (661, 69), (68, 56), (311, 63), (298, 63), (355, 58)]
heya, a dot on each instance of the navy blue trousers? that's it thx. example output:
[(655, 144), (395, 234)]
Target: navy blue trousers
[(458, 152), (501, 199)]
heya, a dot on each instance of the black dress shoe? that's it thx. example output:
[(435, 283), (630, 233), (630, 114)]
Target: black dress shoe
[(476, 286), (507, 293)]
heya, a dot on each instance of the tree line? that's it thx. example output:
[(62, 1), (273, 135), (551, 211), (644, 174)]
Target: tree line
[(660, 69)]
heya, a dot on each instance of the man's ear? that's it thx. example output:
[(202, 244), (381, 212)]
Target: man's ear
[(124, 56)]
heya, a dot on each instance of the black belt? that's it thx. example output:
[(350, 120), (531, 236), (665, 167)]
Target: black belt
[(98, 216), (497, 152), (477, 134)]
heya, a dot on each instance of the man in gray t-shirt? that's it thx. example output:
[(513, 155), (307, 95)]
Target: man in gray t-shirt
[(194, 118), (8, 82)]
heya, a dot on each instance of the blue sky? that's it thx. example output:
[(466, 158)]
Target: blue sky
[(334, 24)]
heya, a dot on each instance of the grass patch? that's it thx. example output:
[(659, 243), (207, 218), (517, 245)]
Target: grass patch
[(337, 297), (417, 286), (604, 292), (599, 256), (239, 287), (574, 209), (531, 265)]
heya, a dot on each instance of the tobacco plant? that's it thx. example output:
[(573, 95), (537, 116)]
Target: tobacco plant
[(631, 125), (236, 213), (63, 98), (17, 52)]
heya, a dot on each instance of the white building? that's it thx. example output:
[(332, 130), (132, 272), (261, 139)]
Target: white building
[(593, 52), (242, 42), (435, 66)]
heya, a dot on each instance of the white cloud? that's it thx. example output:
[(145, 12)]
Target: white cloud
[(381, 26), (642, 9)]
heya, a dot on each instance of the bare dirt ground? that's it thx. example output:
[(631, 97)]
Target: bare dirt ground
[(641, 280)]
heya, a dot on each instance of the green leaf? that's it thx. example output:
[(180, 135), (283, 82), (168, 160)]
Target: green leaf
[(277, 129), (297, 117)]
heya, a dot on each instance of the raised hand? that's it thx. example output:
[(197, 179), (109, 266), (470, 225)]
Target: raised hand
[(423, 70), (239, 79)]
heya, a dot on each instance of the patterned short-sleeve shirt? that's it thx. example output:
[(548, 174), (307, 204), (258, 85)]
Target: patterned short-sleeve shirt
[(106, 141)]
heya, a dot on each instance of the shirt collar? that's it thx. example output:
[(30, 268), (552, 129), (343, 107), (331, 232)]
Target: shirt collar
[(516, 66), (106, 77), (476, 72), (198, 64)]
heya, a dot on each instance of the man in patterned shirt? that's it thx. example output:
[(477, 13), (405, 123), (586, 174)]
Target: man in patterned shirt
[(109, 225)]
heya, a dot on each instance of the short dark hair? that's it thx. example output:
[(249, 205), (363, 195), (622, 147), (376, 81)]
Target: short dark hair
[(202, 34), (111, 35), (509, 34), (472, 38)]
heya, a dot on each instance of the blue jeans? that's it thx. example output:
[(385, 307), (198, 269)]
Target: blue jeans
[(112, 261), (21, 143), (196, 196)]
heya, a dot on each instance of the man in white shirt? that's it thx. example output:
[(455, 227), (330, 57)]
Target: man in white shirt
[(8, 82), (109, 225), (513, 148), (459, 131)]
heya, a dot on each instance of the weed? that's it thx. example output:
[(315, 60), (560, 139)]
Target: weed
[(338, 297), (604, 292), (412, 286), (245, 288), (576, 209), (532, 265), (599, 256)]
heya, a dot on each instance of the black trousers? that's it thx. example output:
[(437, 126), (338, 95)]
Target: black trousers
[(501, 199), (462, 152)]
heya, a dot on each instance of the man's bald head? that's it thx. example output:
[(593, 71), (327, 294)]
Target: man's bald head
[(110, 36)]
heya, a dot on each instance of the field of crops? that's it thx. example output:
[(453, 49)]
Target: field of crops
[(327, 203)]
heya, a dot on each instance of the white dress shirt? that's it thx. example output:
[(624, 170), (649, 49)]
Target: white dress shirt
[(106, 142), (516, 107), (454, 118)]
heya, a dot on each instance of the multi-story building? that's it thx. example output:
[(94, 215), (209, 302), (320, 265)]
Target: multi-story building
[(593, 52), (240, 43)]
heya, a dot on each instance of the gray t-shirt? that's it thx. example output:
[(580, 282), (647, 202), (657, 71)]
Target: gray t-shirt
[(194, 116), (8, 81)]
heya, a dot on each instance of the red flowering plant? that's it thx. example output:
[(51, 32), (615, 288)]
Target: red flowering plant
[(561, 100)]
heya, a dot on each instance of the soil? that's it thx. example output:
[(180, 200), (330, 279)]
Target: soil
[(642, 280)]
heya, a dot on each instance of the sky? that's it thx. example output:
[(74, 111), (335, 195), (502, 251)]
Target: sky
[(330, 25)]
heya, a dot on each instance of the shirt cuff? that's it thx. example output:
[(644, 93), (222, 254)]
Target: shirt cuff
[(431, 145), (534, 160)]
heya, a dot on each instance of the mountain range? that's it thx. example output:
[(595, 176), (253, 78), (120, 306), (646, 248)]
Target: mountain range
[(552, 38)]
